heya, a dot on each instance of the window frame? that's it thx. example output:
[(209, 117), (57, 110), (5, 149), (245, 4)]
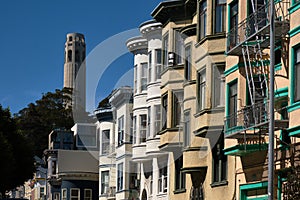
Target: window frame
[(144, 78), (188, 62), (85, 196), (164, 111), (64, 194), (187, 128), (150, 66), (135, 79), (220, 7), (121, 130), (201, 89), (143, 128), (157, 119), (58, 196), (179, 47), (202, 10), (165, 50), (220, 161), (219, 96), (148, 123), (105, 141), (179, 176), (229, 113), (120, 177), (134, 136), (158, 63), (163, 180), (103, 183), (296, 65), (74, 197), (233, 27), (177, 113)]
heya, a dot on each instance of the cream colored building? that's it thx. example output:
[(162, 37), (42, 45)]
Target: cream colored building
[(153, 163)]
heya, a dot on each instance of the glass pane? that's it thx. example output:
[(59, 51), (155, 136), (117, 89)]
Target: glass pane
[(298, 55), (74, 193)]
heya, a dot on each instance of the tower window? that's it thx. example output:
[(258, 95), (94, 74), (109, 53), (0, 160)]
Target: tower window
[(70, 39), (77, 56), (70, 56)]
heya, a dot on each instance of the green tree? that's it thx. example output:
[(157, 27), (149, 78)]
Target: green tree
[(16, 154), (38, 119)]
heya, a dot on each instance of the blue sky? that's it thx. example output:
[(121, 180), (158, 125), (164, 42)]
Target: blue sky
[(33, 34)]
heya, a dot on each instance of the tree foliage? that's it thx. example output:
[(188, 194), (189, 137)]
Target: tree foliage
[(38, 119), (16, 154)]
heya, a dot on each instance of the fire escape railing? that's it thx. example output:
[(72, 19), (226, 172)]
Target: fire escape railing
[(246, 118), (255, 23)]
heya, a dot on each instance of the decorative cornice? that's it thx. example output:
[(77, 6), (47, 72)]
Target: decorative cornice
[(137, 43), (149, 27)]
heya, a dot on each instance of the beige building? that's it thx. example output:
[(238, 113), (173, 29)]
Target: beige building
[(193, 45)]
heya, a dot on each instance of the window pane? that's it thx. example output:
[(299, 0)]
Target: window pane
[(144, 76), (178, 105), (220, 15), (219, 85), (187, 69), (121, 130), (179, 44), (233, 104), (150, 66), (158, 63), (120, 177), (134, 130), (164, 112), (105, 141), (157, 110), (149, 122), (298, 55), (135, 79), (158, 56), (143, 127), (201, 95), (203, 18), (165, 46), (104, 182), (187, 128)]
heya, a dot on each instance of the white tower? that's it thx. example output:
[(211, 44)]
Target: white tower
[(75, 68)]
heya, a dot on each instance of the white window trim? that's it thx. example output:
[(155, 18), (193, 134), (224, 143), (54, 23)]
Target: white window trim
[(88, 198), (78, 197)]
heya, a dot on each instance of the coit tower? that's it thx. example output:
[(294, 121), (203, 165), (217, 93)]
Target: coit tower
[(75, 68)]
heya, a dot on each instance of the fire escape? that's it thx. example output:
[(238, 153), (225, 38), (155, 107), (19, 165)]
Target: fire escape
[(250, 41)]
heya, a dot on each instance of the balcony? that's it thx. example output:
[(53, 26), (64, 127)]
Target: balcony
[(253, 120), (256, 29)]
